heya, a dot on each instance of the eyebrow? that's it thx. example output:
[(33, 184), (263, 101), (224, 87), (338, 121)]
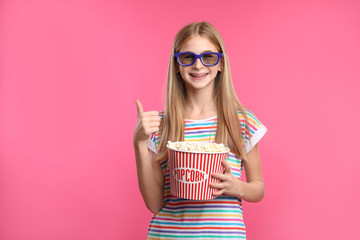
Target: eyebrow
[(201, 52)]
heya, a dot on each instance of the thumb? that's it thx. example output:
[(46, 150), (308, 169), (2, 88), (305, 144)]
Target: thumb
[(227, 166), (139, 107)]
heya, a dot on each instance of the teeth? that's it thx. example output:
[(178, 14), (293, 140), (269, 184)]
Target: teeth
[(195, 75)]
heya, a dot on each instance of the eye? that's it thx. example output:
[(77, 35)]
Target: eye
[(207, 56), (187, 56)]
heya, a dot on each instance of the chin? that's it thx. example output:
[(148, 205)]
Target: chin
[(199, 86)]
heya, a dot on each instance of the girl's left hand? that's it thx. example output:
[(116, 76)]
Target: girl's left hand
[(229, 185)]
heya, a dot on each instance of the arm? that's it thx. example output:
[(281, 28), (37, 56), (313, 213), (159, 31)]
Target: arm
[(253, 189), (150, 177), (149, 172)]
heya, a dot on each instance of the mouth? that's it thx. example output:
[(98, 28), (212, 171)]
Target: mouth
[(198, 75)]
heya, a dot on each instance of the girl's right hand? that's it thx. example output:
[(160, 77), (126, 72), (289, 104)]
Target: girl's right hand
[(147, 124)]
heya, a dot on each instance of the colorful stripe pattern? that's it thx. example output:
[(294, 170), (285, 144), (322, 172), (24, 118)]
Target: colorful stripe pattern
[(219, 218)]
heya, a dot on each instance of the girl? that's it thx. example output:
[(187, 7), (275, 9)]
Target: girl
[(201, 105)]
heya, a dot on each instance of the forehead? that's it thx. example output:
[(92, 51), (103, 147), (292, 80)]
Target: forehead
[(197, 44)]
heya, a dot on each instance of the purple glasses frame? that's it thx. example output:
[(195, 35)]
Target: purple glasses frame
[(177, 55)]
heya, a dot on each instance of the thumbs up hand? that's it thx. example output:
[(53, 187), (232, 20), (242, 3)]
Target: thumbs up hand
[(147, 124)]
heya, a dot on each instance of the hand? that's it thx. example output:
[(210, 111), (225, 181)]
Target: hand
[(147, 124), (229, 185)]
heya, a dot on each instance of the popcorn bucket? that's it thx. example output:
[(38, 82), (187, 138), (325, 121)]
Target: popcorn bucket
[(190, 173)]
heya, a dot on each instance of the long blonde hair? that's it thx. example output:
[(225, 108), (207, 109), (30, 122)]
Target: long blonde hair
[(229, 128)]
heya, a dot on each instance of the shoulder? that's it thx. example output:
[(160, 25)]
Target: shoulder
[(248, 113), (253, 130), (250, 117), (251, 127)]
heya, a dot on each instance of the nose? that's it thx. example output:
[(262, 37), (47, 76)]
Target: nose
[(198, 64)]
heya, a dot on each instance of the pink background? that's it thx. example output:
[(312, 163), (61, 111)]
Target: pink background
[(70, 72)]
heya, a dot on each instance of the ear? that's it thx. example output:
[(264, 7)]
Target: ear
[(221, 65)]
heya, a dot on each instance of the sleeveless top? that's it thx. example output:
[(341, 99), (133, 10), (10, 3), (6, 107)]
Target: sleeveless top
[(219, 218)]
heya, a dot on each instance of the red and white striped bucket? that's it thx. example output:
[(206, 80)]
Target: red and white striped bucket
[(190, 173)]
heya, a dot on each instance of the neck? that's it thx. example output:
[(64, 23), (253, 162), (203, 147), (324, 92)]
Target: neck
[(200, 104)]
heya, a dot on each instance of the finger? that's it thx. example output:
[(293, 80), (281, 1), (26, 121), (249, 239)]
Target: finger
[(150, 124), (151, 118), (226, 166), (139, 107), (217, 185), (219, 192), (154, 124), (219, 176), (153, 130), (151, 113), (150, 130)]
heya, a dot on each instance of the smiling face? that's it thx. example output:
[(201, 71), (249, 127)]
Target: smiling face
[(198, 76)]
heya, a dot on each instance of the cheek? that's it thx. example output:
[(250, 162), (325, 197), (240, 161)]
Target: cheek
[(182, 72), (216, 69), (182, 76)]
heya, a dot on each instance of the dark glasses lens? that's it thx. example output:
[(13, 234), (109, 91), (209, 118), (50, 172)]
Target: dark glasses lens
[(209, 58), (187, 58)]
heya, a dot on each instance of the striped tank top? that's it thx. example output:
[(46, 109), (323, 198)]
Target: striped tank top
[(219, 218)]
